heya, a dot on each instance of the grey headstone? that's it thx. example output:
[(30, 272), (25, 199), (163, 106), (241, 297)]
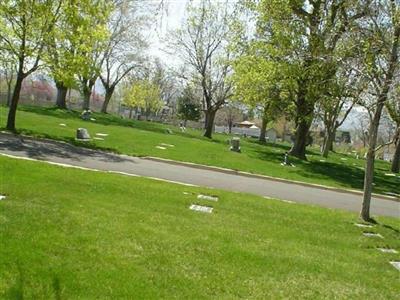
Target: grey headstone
[(235, 144), (82, 134)]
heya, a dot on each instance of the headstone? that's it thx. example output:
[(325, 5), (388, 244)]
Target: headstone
[(62, 124), (167, 145), (371, 234), (387, 250), (235, 144), (2, 197), (85, 115), (160, 147), (395, 264), (206, 197), (101, 134), (205, 209), (82, 134), (363, 225)]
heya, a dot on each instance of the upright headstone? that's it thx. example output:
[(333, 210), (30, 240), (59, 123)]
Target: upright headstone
[(235, 144), (82, 134)]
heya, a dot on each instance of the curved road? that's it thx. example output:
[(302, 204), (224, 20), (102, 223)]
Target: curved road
[(63, 153)]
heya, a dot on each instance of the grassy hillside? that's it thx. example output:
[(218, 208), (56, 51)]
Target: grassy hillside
[(142, 138), (69, 234)]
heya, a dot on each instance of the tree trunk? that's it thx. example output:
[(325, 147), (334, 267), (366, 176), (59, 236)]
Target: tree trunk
[(109, 93), (370, 163), (209, 124), (396, 159), (263, 130), (9, 94), (328, 142), (300, 143), (86, 98), (14, 101), (130, 112), (61, 95)]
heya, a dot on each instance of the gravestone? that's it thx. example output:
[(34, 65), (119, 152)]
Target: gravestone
[(82, 134), (2, 197), (200, 208), (85, 115), (206, 197), (372, 234), (235, 144), (387, 250)]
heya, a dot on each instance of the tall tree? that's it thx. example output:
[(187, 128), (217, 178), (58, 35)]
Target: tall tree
[(26, 26), (8, 68), (261, 83), (202, 43), (379, 41), (125, 46), (306, 35)]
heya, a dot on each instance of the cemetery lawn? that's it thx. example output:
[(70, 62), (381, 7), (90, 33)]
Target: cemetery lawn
[(67, 234), (141, 138)]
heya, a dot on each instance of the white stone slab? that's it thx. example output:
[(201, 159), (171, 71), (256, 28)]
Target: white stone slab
[(62, 124), (363, 225), (92, 119), (2, 197), (206, 197), (390, 174), (387, 250), (395, 264), (102, 134), (205, 209), (167, 145), (371, 234), (322, 160), (343, 158), (186, 193), (98, 138), (161, 148)]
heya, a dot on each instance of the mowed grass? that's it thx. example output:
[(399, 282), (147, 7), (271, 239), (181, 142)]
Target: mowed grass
[(74, 234), (141, 138)]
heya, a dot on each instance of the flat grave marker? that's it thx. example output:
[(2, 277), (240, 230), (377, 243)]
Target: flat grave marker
[(387, 250), (363, 225), (395, 264), (372, 234), (207, 197), (2, 197), (200, 208), (160, 147)]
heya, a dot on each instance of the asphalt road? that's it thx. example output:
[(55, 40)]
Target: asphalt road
[(63, 153)]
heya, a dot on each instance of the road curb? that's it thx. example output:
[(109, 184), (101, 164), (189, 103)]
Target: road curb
[(213, 168), (265, 177)]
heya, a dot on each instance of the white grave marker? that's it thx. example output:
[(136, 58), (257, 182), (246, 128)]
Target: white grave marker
[(371, 234), (205, 209), (102, 134), (363, 225), (162, 148), (206, 197), (395, 264), (2, 197), (387, 250)]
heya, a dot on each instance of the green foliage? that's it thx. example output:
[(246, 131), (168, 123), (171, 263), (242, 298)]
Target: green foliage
[(143, 94), (188, 107), (80, 34)]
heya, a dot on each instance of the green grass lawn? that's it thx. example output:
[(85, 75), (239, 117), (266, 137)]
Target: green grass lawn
[(73, 234), (141, 138)]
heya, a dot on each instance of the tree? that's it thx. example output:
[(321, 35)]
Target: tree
[(123, 51), (339, 100), (260, 84), (8, 68), (379, 52), (203, 46), (393, 107), (230, 114), (143, 95), (26, 26), (188, 106), (304, 36), (93, 22)]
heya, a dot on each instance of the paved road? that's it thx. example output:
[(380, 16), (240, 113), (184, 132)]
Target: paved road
[(67, 154)]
